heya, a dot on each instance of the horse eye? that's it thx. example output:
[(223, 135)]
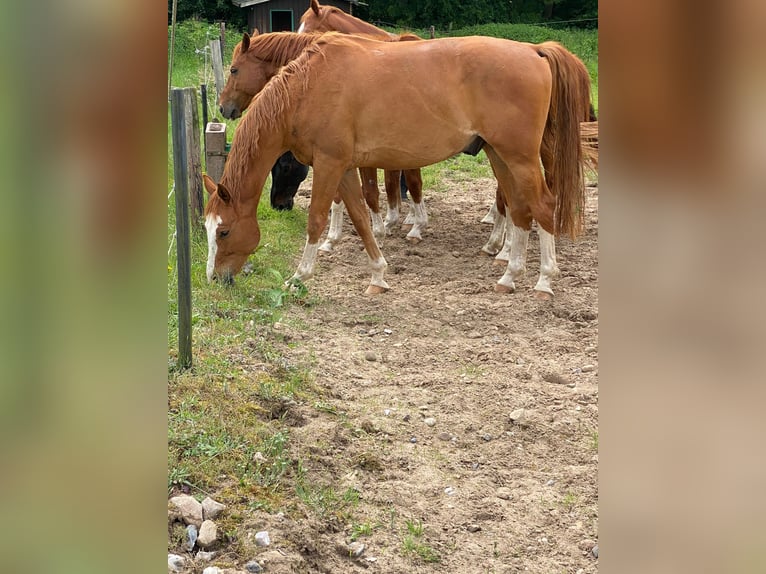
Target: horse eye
[(233, 71), (223, 233)]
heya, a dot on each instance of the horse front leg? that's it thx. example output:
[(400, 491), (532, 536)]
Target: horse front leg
[(369, 176), (352, 197), (494, 244), (417, 208), (323, 191), (336, 226)]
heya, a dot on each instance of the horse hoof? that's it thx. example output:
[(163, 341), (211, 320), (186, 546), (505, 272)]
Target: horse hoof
[(500, 288), (488, 252), (543, 296), (500, 263), (414, 240), (375, 290), (326, 247)]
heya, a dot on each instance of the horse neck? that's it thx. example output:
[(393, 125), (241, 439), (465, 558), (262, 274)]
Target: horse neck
[(249, 163), (348, 24)]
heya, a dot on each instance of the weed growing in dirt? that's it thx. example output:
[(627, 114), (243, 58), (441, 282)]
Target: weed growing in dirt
[(362, 529), (412, 545)]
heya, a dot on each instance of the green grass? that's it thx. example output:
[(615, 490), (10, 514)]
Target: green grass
[(412, 545)]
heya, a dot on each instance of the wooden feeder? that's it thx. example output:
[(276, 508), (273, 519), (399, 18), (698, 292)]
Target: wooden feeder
[(216, 149)]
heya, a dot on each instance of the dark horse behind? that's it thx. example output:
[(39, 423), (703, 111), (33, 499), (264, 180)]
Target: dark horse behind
[(286, 175)]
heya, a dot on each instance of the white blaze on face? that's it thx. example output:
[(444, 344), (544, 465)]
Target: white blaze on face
[(212, 222), (301, 28)]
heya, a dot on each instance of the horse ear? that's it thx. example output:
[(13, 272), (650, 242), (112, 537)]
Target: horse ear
[(255, 32), (245, 42), (315, 7), (210, 185), (224, 193)]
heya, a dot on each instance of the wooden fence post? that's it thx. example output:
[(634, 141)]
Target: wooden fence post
[(203, 97), (215, 149), (183, 248), (223, 37), (433, 33), (194, 155), (215, 58)]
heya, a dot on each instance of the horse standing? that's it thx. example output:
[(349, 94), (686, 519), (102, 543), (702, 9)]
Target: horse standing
[(523, 101)]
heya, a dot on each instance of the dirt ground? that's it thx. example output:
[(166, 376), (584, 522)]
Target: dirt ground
[(492, 494)]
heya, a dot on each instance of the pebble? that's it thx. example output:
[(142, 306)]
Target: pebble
[(208, 534), (258, 457), (212, 570), (370, 356), (355, 549), (189, 508), (387, 412), (519, 417), (191, 537), (430, 421), (594, 551), (550, 482), (212, 509), (449, 491), (487, 437), (387, 331), (253, 567), (413, 440), (474, 528), (588, 368), (406, 418), (591, 349), (262, 538), (444, 436), (504, 492), (205, 556), (175, 563)]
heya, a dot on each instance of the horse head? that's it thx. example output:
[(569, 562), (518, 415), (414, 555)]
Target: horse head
[(231, 235), (246, 78), (286, 175)]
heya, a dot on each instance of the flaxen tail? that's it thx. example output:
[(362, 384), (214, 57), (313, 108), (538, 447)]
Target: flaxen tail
[(562, 151)]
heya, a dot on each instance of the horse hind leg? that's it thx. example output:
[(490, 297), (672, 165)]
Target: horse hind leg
[(391, 183), (369, 176), (417, 207)]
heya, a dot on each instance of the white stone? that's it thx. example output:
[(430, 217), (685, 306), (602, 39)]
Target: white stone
[(208, 534), (175, 563), (262, 538), (189, 508), (211, 509)]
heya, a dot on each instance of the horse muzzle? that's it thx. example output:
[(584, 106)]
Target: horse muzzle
[(230, 112)]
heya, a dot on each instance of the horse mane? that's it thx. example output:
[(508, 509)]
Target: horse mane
[(360, 26), (280, 47), (267, 112)]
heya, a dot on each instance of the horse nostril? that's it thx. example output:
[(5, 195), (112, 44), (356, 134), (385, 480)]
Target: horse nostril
[(220, 109)]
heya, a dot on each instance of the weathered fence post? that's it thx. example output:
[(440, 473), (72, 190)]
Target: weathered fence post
[(433, 33), (203, 97), (183, 250), (217, 60), (194, 155), (223, 37), (215, 149)]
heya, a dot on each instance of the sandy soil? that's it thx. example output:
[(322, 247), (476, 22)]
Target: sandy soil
[(492, 494)]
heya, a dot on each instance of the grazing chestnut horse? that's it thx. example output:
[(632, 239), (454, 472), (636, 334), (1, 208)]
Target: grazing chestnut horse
[(255, 60), (318, 18), (522, 101)]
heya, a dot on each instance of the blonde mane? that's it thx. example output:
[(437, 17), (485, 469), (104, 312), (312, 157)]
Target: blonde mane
[(280, 47)]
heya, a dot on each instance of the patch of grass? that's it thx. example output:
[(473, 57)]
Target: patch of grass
[(325, 502), (413, 545), (594, 440), (362, 529), (569, 501)]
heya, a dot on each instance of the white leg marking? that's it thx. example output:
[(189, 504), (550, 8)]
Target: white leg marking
[(336, 227), (517, 255), (212, 222), (306, 266), (378, 269), (420, 221), (548, 267), (392, 218), (410, 219), (495, 241), (491, 214), (378, 229)]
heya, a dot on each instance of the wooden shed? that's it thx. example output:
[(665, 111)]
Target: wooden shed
[(283, 15)]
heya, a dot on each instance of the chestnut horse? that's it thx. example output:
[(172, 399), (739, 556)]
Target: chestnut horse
[(255, 60), (523, 102), (318, 18)]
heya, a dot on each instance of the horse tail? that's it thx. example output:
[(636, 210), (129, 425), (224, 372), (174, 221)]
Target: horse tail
[(570, 105)]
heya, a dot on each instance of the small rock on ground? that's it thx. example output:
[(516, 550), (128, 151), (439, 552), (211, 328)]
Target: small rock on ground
[(212, 570), (370, 356), (595, 551), (504, 492), (253, 567), (208, 534), (187, 508), (212, 509), (262, 538), (473, 528), (430, 421), (175, 563)]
